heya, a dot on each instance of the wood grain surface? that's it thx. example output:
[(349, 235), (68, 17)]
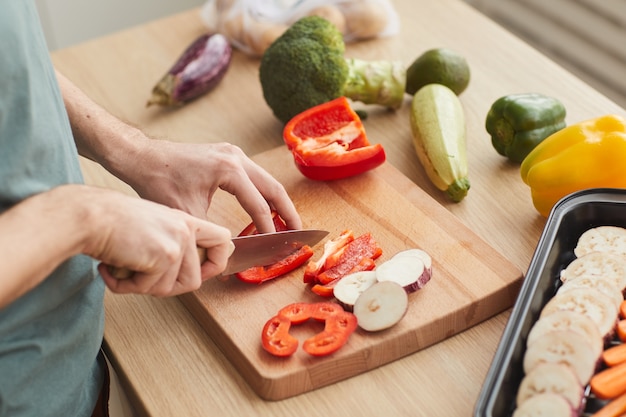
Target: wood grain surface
[(166, 360)]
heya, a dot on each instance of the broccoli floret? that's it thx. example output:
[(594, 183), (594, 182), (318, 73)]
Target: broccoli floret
[(306, 66)]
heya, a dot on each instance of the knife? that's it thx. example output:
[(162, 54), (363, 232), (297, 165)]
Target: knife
[(254, 250)]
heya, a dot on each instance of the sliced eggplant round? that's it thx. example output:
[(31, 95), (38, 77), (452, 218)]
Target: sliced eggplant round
[(602, 239), (381, 306), (605, 286), (412, 269), (555, 378), (565, 347), (350, 287), (590, 302), (568, 320), (605, 265), (545, 405)]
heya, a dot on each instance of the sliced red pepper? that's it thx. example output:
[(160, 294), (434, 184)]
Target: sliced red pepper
[(326, 290), (313, 268), (276, 338), (296, 312), (354, 252), (337, 329), (328, 142), (260, 274), (279, 225), (324, 310), (338, 326), (342, 256)]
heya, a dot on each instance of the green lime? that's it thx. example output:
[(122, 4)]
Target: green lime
[(438, 66)]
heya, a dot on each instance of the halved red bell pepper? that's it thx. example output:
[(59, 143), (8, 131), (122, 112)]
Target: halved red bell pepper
[(260, 274), (328, 142)]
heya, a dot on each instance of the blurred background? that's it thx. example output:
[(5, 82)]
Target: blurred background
[(588, 37)]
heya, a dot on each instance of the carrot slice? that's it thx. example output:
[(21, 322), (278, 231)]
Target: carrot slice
[(609, 383), (614, 355), (614, 408)]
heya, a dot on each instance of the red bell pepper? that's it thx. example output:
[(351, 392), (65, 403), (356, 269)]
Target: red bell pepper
[(328, 142), (276, 338), (338, 326), (342, 255), (326, 290), (260, 274), (355, 252), (331, 247)]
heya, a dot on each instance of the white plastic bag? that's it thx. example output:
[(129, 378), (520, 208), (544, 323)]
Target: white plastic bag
[(252, 25)]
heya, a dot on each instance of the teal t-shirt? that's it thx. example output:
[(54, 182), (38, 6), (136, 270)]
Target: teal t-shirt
[(49, 338)]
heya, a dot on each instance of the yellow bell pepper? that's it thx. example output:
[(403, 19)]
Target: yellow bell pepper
[(585, 155)]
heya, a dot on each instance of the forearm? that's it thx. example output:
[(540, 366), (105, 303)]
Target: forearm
[(100, 136), (36, 236)]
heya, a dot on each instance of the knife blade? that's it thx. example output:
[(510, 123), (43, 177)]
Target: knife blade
[(254, 250)]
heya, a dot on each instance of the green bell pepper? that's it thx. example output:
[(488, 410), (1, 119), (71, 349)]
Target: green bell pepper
[(519, 122)]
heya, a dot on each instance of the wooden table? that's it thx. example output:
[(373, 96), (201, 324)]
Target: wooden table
[(167, 363)]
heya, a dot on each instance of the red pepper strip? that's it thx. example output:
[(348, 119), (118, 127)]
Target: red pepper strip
[(328, 142), (337, 330), (324, 310), (279, 225), (296, 312), (276, 338), (313, 268), (259, 274), (361, 247), (326, 290)]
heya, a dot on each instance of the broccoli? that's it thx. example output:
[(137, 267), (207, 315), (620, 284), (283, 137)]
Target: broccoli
[(306, 66)]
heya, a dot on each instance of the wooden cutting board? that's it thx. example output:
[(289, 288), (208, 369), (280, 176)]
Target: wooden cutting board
[(471, 281)]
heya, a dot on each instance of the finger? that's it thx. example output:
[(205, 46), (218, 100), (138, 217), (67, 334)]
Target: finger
[(183, 276), (287, 211), (216, 241), (253, 202), (275, 195), (135, 284), (217, 259)]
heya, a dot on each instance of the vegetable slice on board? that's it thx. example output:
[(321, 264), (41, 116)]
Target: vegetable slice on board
[(412, 269), (381, 306), (276, 338), (262, 273), (350, 287), (328, 142), (338, 326)]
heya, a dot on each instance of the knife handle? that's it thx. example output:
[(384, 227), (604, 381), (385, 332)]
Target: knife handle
[(125, 273)]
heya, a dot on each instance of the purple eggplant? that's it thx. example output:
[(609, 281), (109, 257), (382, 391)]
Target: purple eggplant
[(198, 70)]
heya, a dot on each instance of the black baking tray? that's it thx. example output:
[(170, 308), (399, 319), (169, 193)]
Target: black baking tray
[(569, 218)]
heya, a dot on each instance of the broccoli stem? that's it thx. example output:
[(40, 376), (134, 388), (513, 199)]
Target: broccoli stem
[(376, 82)]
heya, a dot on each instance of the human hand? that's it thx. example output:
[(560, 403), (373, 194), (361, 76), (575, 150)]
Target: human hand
[(186, 176), (158, 243)]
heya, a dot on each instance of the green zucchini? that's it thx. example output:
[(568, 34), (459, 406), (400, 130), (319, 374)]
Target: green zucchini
[(438, 130)]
